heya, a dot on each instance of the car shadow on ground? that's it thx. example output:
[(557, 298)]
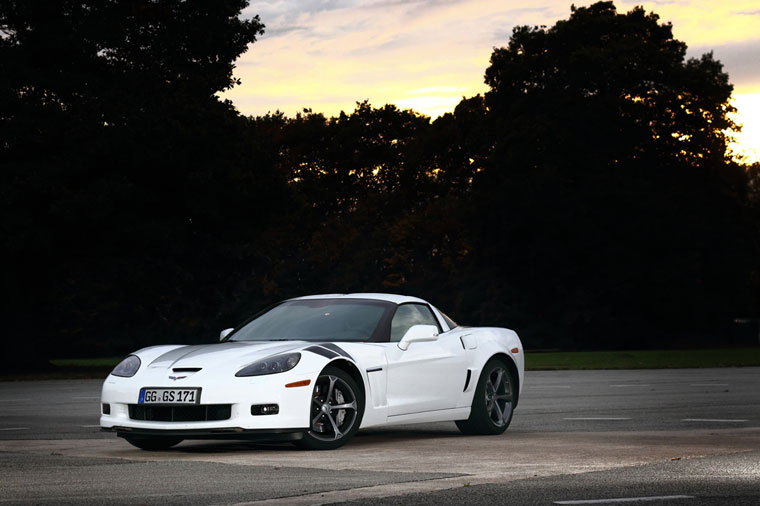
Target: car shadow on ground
[(363, 439)]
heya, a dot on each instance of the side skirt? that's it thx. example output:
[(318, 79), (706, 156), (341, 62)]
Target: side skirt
[(440, 415)]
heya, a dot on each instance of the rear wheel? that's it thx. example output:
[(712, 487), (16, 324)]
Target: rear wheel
[(493, 403), (337, 405), (153, 443)]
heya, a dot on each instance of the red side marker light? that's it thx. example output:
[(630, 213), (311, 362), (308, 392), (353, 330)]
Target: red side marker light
[(515, 350), (303, 383)]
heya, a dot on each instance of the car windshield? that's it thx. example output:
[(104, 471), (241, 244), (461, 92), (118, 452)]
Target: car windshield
[(318, 320)]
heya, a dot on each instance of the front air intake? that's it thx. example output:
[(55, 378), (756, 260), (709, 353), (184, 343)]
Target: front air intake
[(199, 413)]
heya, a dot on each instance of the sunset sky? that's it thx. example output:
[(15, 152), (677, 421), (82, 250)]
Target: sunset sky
[(428, 54)]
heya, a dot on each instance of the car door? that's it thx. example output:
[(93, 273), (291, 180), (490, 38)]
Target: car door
[(428, 376)]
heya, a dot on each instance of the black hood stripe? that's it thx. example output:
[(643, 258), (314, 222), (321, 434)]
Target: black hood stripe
[(337, 349), (319, 350)]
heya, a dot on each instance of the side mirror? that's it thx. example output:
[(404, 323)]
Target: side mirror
[(225, 333), (418, 334)]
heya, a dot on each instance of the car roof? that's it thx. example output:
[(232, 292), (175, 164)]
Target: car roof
[(388, 297)]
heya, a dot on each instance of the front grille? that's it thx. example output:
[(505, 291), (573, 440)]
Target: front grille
[(199, 413)]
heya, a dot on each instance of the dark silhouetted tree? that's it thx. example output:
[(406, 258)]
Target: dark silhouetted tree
[(609, 202), (124, 177), (587, 200), (352, 175)]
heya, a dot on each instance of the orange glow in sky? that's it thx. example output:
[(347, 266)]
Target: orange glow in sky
[(427, 54)]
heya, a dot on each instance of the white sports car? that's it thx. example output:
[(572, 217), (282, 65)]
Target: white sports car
[(313, 370)]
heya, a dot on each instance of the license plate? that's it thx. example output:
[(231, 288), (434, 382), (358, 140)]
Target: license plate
[(169, 396)]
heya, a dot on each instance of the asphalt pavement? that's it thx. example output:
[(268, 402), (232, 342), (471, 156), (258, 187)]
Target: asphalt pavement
[(687, 437)]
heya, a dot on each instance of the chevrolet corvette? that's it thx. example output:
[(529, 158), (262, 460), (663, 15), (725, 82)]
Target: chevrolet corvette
[(314, 370)]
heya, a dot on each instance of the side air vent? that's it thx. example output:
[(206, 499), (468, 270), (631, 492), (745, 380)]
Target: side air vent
[(467, 380)]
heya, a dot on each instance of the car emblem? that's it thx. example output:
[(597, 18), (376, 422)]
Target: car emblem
[(175, 378)]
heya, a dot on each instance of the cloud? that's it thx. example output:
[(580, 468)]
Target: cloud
[(278, 31), (740, 60), (291, 9)]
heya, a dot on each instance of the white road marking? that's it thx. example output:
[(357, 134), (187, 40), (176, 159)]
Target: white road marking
[(598, 418), (16, 428), (627, 499), (709, 384), (623, 386), (711, 420)]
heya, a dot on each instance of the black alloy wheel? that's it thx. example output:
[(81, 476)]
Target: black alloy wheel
[(493, 403), (337, 406)]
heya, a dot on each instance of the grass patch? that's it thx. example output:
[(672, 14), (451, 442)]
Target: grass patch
[(650, 359), (64, 369)]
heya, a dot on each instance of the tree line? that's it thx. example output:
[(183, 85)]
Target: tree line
[(586, 200)]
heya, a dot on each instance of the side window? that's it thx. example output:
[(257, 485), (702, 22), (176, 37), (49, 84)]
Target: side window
[(451, 323), (408, 315)]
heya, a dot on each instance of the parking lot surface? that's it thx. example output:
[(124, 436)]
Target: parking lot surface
[(688, 437)]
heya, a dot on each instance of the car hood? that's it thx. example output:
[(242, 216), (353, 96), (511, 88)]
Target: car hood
[(226, 354)]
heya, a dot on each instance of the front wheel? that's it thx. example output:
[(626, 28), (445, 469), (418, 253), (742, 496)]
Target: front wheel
[(153, 443), (337, 405), (493, 403)]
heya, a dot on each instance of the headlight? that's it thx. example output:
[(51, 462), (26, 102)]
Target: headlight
[(127, 367), (271, 365)]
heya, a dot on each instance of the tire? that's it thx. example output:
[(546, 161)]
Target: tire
[(493, 403), (337, 407), (153, 443)]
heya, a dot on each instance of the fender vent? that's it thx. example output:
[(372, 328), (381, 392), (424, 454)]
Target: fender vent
[(467, 380), (186, 369)]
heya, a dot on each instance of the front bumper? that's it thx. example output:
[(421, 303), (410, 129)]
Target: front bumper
[(238, 393)]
